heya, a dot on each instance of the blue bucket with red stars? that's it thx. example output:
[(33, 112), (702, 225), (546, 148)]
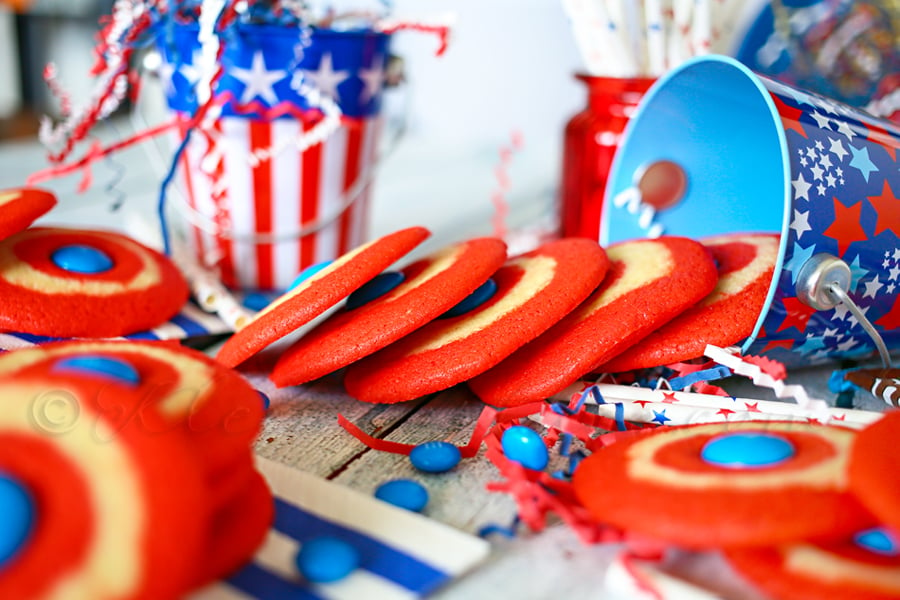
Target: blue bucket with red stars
[(265, 195), (743, 153)]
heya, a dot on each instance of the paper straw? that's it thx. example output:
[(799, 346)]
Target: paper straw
[(645, 405), (655, 36), (679, 47), (611, 15), (701, 27)]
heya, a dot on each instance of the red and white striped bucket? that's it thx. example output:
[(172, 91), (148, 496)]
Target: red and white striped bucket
[(260, 222)]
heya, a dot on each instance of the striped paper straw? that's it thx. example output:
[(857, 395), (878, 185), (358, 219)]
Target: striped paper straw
[(644, 405)]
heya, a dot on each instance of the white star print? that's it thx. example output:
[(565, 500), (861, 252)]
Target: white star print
[(830, 180), (803, 161), (825, 160), (821, 189), (872, 288), (896, 254), (846, 345), (837, 148), (820, 119), (190, 73), (852, 318), (895, 274), (326, 79), (800, 224), (845, 128), (373, 80), (890, 288), (829, 332), (840, 312), (811, 153), (166, 71), (817, 172), (258, 81), (801, 187)]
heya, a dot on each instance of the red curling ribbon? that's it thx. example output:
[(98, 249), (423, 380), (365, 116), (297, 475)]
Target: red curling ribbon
[(96, 153), (480, 431), (442, 31)]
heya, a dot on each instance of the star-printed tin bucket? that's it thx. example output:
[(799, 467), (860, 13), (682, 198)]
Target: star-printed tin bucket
[(738, 152), (267, 194)]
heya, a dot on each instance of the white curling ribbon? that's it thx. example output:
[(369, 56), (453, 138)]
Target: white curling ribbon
[(757, 376), (209, 47)]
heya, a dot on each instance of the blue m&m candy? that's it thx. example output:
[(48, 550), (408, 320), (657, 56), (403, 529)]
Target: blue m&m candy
[(435, 457), (747, 450), (308, 272), (17, 512), (78, 258), (375, 288), (524, 446), (326, 559), (879, 540), (106, 367), (404, 493), (482, 294)]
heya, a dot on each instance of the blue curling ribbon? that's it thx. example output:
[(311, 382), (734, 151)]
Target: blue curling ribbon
[(718, 372)]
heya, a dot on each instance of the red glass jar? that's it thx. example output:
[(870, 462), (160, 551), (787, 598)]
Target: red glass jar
[(591, 139)]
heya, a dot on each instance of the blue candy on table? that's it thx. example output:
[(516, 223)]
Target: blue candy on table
[(435, 457), (525, 446)]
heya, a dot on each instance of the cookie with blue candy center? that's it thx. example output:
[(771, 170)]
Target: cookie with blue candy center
[(318, 293), (428, 288), (534, 291), (725, 484)]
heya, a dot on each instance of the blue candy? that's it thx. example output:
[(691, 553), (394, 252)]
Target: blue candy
[(256, 301), (435, 457), (308, 272), (375, 288), (482, 294), (82, 259), (265, 399), (404, 493), (326, 559), (107, 367), (524, 446), (747, 450), (878, 540), (17, 512)]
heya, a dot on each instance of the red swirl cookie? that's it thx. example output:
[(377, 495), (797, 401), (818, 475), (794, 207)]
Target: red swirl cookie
[(115, 511), (77, 283), (725, 484), (179, 387), (430, 287), (649, 283), (725, 317), (534, 291), (872, 458), (853, 568), (20, 207), (318, 293), (238, 529)]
